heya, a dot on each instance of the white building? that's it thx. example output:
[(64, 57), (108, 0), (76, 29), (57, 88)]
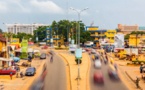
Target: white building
[(23, 28)]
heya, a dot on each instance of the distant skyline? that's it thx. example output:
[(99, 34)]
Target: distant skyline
[(106, 14)]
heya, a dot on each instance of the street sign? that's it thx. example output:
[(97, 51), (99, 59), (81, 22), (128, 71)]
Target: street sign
[(78, 53)]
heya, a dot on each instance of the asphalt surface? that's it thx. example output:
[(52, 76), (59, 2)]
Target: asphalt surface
[(109, 84), (56, 75)]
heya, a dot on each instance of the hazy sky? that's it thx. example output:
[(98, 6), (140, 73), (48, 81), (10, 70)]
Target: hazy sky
[(104, 13)]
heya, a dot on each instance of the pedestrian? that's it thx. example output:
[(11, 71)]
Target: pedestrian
[(21, 74), (29, 58), (115, 66), (137, 82), (51, 59), (141, 68), (11, 75)]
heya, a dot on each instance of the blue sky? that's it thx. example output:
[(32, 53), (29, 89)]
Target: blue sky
[(103, 13)]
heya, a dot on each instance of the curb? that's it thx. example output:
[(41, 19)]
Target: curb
[(88, 79), (132, 80), (32, 80), (68, 69)]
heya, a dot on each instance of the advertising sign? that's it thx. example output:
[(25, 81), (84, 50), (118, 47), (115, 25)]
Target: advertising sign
[(78, 53), (15, 41), (24, 48), (119, 40)]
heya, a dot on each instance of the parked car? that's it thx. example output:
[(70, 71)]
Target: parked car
[(97, 64), (43, 56), (15, 59), (98, 77), (6, 71), (26, 64), (30, 71)]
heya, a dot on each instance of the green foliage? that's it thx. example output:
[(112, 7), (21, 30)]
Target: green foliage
[(1, 31), (138, 32), (22, 36), (40, 32), (127, 36)]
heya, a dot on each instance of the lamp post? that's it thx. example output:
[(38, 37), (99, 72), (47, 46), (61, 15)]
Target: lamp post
[(79, 13)]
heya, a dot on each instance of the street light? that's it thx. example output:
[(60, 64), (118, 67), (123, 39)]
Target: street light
[(78, 12)]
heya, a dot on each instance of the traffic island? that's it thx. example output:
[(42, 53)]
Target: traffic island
[(83, 83)]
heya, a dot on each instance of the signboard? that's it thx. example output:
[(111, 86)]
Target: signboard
[(119, 40), (78, 53), (15, 41), (72, 41), (131, 51), (24, 48)]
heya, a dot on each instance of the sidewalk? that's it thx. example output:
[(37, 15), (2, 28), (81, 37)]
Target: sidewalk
[(84, 71), (131, 71), (22, 83)]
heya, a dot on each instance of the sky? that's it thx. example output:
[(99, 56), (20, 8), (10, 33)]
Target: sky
[(106, 14)]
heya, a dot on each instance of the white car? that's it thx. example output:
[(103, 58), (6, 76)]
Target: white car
[(93, 51), (97, 64), (83, 50)]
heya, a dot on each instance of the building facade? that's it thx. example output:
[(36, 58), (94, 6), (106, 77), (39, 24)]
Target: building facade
[(101, 34), (126, 29), (110, 35), (23, 28), (2, 46)]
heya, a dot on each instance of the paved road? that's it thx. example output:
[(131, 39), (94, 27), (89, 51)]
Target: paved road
[(56, 76), (109, 84)]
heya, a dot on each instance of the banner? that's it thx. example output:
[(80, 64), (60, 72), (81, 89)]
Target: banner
[(24, 48), (119, 40)]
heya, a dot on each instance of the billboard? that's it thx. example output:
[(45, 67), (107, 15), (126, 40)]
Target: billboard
[(15, 41), (119, 40)]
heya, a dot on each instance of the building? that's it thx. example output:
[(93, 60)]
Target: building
[(53, 39), (137, 40), (110, 35), (101, 34), (126, 29), (2, 46), (23, 28)]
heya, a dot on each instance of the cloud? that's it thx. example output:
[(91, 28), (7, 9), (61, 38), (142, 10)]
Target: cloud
[(46, 6), (3, 7)]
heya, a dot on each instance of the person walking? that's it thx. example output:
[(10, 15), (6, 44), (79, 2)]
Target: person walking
[(11, 75), (21, 74), (141, 68)]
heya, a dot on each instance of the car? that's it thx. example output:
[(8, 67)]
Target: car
[(6, 71), (30, 71), (98, 77), (113, 74), (97, 64), (44, 47), (26, 64), (83, 50), (93, 51), (43, 56), (16, 59)]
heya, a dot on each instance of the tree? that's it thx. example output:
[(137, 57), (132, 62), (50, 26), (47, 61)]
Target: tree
[(22, 36), (40, 32), (1, 31), (127, 36)]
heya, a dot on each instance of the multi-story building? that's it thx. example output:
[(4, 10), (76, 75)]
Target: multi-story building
[(126, 29), (23, 28), (53, 39), (101, 34), (136, 40), (110, 35)]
